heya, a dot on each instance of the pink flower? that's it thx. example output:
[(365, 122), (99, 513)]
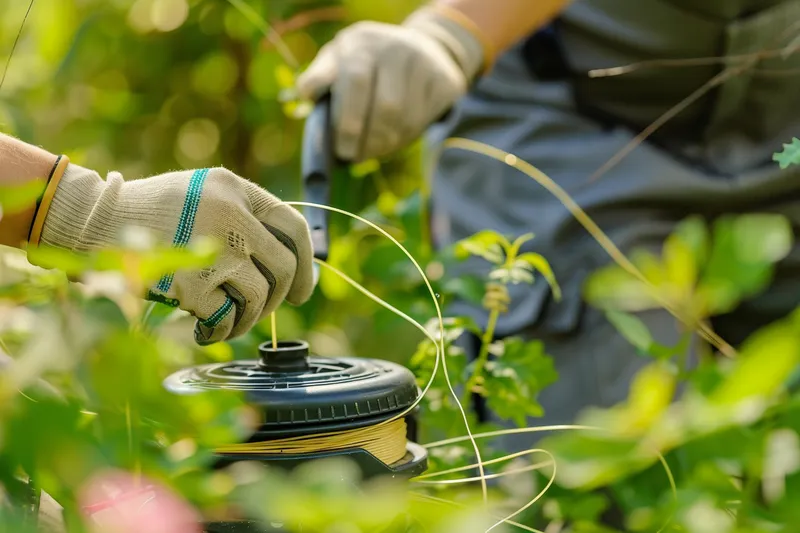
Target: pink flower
[(117, 502)]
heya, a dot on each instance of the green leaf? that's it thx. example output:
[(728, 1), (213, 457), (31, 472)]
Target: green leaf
[(16, 198), (591, 459), (365, 168), (766, 361), (613, 288), (741, 261), (520, 275), (790, 155), (680, 267), (762, 237), (541, 265), (487, 244), (423, 360), (514, 379), (55, 258), (518, 242), (650, 394), (693, 232), (201, 254), (511, 275), (632, 328), (469, 288)]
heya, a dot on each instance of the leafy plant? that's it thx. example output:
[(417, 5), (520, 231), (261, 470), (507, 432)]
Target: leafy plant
[(790, 155), (507, 373)]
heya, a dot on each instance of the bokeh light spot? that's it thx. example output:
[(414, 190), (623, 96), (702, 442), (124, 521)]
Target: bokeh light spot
[(215, 75), (169, 15), (198, 139)]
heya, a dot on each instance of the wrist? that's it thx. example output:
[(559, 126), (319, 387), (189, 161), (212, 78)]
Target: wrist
[(43, 204), (463, 39), (74, 199), (21, 165)]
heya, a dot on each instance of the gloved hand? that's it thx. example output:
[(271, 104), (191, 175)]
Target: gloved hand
[(389, 83), (266, 254)]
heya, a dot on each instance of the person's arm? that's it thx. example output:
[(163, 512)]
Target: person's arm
[(505, 22), (265, 254), (388, 82), (21, 163), (501, 23)]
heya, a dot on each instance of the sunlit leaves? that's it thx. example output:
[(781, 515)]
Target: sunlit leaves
[(510, 267), (766, 361), (613, 288), (487, 244), (651, 392), (536, 262), (144, 265), (700, 275), (328, 495), (741, 262), (790, 155)]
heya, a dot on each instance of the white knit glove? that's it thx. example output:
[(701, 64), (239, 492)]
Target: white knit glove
[(266, 252), (389, 83)]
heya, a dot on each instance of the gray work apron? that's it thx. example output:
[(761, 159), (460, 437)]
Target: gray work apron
[(713, 158)]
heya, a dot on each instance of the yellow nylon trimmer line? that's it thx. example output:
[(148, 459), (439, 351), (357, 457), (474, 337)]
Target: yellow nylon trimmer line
[(387, 442)]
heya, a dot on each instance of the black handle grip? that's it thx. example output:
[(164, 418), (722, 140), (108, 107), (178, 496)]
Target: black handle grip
[(316, 166)]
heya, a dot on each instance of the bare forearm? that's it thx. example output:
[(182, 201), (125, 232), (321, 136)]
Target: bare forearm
[(505, 22), (20, 163)]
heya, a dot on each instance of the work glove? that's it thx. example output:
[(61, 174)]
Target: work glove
[(389, 82), (265, 257)]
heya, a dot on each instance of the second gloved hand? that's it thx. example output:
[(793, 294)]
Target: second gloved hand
[(390, 82), (266, 254)]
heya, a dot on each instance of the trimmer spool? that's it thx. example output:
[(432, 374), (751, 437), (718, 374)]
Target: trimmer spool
[(299, 394)]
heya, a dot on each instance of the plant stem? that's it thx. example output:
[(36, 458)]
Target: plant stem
[(483, 355)]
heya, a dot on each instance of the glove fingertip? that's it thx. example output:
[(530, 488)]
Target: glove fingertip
[(217, 327), (317, 79), (204, 335), (312, 87), (297, 297), (303, 284)]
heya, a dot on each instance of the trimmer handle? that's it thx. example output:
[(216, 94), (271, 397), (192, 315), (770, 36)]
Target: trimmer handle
[(316, 166)]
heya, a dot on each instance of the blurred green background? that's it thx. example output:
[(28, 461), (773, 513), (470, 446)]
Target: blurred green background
[(148, 86)]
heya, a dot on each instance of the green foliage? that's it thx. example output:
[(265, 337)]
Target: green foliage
[(83, 390), (342, 501), (790, 155), (511, 266), (511, 381), (702, 273), (730, 438), (15, 198)]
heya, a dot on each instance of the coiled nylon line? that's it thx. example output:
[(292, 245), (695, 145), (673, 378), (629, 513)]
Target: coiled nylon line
[(387, 442)]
